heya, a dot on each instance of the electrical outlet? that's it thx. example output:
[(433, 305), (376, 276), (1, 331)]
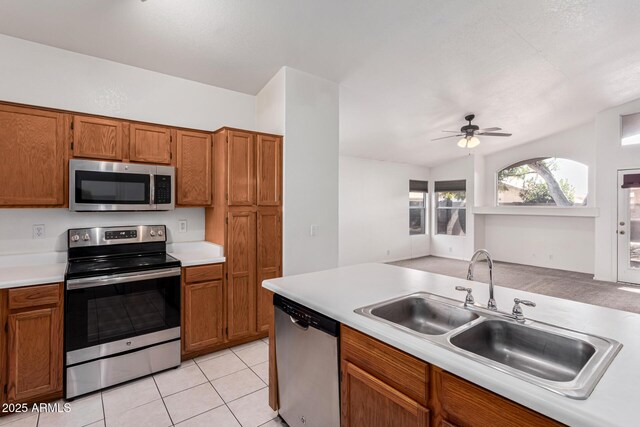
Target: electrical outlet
[(182, 226), (313, 231), (388, 252), (38, 231)]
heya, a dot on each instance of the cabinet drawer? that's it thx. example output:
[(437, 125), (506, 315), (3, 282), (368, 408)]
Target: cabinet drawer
[(400, 370), (34, 296), (203, 273), (468, 405)]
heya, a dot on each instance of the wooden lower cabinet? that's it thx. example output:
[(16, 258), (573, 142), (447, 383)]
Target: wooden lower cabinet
[(382, 386), (34, 343), (203, 325), (369, 402), (269, 261)]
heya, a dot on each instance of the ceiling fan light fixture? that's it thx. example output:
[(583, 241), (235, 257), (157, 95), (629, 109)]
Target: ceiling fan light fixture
[(463, 142), (474, 141)]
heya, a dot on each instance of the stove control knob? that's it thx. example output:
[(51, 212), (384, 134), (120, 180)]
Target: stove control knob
[(152, 233), (75, 238), (160, 233), (86, 237)]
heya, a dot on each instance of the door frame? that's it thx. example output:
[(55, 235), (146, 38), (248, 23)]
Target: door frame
[(624, 273)]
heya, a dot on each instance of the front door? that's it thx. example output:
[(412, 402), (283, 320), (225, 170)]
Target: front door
[(629, 226)]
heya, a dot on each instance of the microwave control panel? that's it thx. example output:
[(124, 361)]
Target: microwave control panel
[(162, 189)]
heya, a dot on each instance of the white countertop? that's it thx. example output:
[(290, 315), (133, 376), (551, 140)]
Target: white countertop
[(337, 292), (40, 268), (196, 253)]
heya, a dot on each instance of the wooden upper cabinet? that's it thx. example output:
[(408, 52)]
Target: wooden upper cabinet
[(193, 186), (241, 185), (369, 402), (34, 353), (269, 261), (32, 157), (241, 267), (149, 144), (269, 170), (98, 138)]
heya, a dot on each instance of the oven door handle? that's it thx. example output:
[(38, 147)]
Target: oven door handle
[(114, 279)]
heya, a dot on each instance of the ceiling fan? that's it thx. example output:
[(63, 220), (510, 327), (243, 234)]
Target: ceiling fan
[(469, 133)]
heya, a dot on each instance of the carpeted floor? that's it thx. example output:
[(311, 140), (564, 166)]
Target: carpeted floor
[(557, 283)]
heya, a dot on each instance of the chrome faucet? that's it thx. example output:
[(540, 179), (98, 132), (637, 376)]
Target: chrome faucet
[(491, 305)]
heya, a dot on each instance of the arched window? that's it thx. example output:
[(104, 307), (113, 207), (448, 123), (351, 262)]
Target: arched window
[(544, 181)]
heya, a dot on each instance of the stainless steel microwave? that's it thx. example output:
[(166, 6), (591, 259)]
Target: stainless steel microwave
[(109, 186)]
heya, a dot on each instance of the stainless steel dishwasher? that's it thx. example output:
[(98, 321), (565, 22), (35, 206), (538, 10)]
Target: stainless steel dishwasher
[(307, 365)]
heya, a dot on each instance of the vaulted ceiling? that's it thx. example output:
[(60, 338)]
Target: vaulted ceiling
[(407, 69)]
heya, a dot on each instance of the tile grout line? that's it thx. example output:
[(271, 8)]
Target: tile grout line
[(162, 398)]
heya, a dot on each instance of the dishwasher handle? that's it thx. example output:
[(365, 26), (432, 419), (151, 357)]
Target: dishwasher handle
[(299, 323)]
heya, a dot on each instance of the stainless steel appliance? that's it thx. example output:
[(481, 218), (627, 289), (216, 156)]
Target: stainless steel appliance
[(307, 365), (109, 186), (121, 307)]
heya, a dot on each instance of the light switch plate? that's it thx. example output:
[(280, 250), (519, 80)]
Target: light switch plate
[(313, 231), (38, 231), (182, 226)]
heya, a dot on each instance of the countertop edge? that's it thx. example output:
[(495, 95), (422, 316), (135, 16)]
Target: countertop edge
[(469, 370)]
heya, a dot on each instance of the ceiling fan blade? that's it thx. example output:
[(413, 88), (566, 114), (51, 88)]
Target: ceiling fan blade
[(489, 129), (493, 134), (450, 136), (454, 131)]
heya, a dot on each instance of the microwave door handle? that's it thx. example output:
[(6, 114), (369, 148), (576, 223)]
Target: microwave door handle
[(152, 190)]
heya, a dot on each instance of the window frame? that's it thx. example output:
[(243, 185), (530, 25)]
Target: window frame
[(425, 211), (496, 192), (436, 206)]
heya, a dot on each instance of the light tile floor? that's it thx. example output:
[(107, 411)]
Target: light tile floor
[(226, 388)]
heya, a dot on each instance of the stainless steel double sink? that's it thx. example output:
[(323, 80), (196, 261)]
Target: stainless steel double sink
[(564, 361)]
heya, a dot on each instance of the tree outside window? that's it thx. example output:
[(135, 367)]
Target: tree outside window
[(545, 181)]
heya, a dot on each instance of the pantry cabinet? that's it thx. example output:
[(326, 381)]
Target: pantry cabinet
[(34, 352), (246, 218), (32, 157)]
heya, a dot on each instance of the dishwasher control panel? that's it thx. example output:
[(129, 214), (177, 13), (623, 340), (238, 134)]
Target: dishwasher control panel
[(306, 316)]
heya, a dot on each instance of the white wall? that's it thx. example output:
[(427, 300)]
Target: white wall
[(36, 74), (611, 156), (16, 226), (310, 111), (374, 211), (270, 105), (565, 243), (458, 247)]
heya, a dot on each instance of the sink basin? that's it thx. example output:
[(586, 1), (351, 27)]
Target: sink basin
[(536, 352), (422, 314), (561, 360)]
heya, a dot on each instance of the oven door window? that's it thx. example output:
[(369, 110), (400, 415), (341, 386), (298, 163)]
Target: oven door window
[(98, 315), (112, 188)]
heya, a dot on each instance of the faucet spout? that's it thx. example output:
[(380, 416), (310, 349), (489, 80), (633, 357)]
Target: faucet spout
[(491, 305)]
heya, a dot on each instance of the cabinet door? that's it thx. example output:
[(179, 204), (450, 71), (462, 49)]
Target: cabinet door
[(34, 354), (149, 144), (269, 261), (96, 138), (241, 266), (368, 402), (193, 168), (203, 318), (242, 182), (32, 157), (269, 170)]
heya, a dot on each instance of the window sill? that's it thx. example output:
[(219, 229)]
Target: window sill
[(537, 211)]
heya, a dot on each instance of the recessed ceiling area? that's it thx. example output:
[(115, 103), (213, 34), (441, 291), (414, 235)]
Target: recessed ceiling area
[(407, 69)]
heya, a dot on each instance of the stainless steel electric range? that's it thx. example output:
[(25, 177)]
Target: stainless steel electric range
[(122, 307)]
